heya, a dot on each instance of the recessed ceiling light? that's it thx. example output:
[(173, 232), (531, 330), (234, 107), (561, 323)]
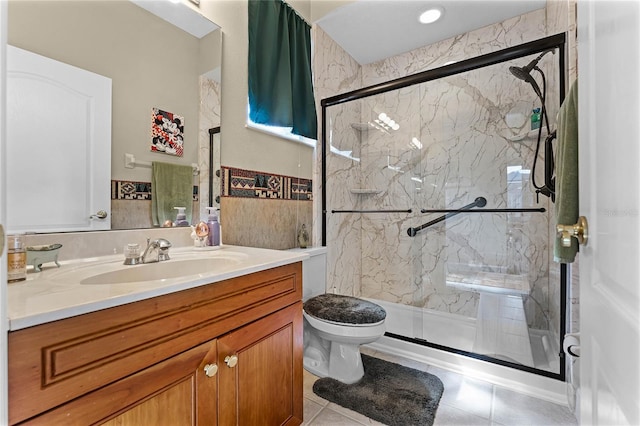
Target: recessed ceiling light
[(430, 16)]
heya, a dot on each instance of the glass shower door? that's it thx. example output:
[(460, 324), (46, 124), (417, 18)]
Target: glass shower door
[(400, 165)]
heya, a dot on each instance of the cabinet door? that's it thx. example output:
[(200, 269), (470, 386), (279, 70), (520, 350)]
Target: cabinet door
[(181, 390), (260, 378)]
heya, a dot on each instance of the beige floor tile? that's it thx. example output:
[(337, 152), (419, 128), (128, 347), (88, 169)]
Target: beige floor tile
[(452, 416), (467, 394), (308, 381), (353, 414), (328, 417), (510, 408), (311, 410)]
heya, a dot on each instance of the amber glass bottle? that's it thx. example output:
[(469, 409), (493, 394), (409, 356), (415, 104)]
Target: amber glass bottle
[(16, 258)]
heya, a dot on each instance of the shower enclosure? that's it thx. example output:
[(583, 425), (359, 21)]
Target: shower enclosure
[(429, 207)]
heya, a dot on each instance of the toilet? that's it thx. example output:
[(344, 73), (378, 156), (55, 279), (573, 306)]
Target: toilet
[(335, 325)]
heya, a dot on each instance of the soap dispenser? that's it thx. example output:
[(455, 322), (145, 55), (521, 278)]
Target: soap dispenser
[(181, 218), (214, 227)]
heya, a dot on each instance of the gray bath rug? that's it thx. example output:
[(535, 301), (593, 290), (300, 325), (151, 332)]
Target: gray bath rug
[(388, 392)]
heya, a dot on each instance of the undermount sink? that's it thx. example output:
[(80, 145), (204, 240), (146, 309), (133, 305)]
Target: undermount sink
[(161, 270)]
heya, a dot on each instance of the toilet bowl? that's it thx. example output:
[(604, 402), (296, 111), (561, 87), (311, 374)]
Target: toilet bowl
[(334, 328), (334, 325)]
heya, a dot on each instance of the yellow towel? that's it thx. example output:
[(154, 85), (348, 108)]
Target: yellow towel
[(567, 200), (171, 186)]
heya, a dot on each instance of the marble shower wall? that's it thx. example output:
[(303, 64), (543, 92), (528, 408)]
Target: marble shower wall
[(210, 105), (337, 72), (458, 162), (453, 145)]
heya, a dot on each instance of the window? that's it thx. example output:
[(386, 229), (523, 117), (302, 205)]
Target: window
[(280, 79)]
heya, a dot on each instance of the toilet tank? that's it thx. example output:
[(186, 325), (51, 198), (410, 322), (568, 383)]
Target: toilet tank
[(314, 271)]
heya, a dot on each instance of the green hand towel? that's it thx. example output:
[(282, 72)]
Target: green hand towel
[(567, 200), (171, 186)]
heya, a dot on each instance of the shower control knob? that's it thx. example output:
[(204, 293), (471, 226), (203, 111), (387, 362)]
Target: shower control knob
[(578, 231), (210, 370), (231, 361)]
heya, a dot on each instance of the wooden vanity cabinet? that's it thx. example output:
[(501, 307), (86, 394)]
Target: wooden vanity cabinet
[(227, 353)]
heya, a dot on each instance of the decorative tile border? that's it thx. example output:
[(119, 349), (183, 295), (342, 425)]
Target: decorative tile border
[(251, 184), (139, 191)]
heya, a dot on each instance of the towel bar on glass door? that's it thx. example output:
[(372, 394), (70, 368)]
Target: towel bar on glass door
[(372, 211), (467, 209), (527, 210), (130, 162)]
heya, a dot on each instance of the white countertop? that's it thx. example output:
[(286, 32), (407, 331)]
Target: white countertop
[(57, 293)]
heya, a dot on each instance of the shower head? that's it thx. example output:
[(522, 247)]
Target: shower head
[(524, 73), (520, 73)]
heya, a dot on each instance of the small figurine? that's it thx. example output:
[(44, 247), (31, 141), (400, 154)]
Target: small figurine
[(303, 237), (199, 234)]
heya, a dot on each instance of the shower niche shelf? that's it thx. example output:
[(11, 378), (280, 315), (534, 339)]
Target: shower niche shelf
[(365, 127), (532, 134), (362, 127), (365, 191)]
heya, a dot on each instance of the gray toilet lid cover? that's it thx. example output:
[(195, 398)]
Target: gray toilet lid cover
[(344, 309)]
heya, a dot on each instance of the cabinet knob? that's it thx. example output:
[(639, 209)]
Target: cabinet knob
[(231, 361), (210, 370)]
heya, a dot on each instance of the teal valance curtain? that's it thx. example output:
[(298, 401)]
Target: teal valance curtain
[(280, 82)]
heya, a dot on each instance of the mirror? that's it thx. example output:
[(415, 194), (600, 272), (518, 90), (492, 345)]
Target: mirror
[(152, 64)]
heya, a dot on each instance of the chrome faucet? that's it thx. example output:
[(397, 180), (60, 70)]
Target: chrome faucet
[(161, 246)]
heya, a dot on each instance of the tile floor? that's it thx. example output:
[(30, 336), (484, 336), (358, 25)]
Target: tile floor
[(465, 401)]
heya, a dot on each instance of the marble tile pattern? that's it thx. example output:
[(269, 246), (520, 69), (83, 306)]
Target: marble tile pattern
[(469, 148), (210, 106), (337, 72), (465, 152)]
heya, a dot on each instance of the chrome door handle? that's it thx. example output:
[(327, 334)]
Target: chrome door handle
[(579, 231)]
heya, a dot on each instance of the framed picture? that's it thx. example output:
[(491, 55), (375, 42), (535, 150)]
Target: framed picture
[(167, 132)]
